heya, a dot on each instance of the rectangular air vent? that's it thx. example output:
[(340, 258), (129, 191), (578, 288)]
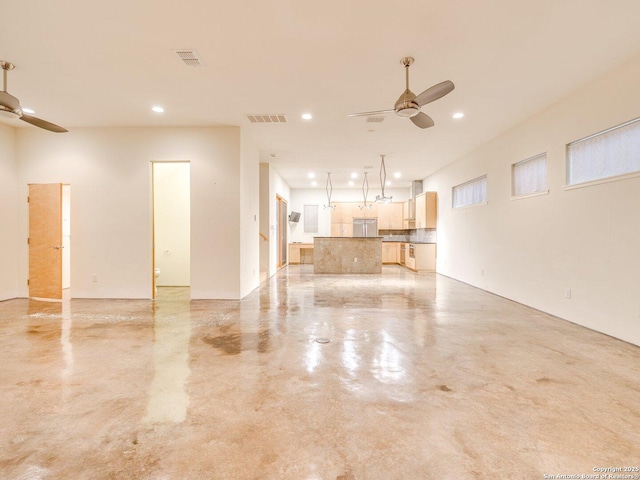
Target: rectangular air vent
[(189, 57), (277, 118), (375, 119)]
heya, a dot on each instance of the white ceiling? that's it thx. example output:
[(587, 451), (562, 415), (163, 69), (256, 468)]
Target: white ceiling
[(82, 63)]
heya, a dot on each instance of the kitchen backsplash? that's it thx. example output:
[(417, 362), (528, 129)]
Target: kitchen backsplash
[(420, 235)]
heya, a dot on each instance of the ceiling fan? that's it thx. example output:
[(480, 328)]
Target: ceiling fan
[(10, 104), (408, 105)]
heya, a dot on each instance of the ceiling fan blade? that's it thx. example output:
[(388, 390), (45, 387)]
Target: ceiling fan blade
[(43, 124), (434, 93), (422, 120), (364, 114), (9, 101)]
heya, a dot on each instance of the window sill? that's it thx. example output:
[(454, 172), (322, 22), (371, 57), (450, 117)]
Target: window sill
[(600, 181), (529, 195), (464, 207)]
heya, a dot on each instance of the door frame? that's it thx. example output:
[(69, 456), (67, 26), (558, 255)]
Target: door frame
[(281, 206), (153, 221)]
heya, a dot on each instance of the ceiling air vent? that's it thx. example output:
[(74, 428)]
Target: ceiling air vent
[(277, 118), (375, 119), (189, 57)]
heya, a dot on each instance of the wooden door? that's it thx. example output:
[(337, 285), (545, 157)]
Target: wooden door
[(45, 241)]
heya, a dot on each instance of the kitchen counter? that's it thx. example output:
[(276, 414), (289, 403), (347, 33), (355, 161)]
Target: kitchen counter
[(347, 255)]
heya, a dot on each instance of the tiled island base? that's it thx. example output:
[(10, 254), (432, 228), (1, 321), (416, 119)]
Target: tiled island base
[(347, 255)]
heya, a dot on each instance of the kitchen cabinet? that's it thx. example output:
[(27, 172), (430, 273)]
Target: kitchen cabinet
[(424, 257), (426, 210), (300, 253), (410, 262), (342, 217), (342, 229), (408, 215), (390, 216), (389, 252)]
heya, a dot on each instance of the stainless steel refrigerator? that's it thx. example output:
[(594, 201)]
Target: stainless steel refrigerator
[(365, 227)]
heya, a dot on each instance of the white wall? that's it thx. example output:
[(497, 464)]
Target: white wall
[(249, 216), (8, 213), (531, 250), (172, 222), (317, 196), (109, 170)]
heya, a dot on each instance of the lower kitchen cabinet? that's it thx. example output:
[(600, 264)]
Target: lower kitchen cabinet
[(300, 253), (390, 252), (424, 259)]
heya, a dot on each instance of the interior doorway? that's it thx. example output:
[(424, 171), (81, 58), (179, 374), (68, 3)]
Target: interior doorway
[(171, 211), (281, 228), (49, 241)]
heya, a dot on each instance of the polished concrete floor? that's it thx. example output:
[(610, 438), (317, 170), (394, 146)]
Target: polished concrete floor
[(423, 378)]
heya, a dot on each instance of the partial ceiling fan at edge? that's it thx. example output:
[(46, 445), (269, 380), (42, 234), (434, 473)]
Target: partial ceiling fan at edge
[(11, 105)]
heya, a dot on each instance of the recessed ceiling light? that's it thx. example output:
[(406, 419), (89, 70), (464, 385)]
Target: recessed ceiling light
[(311, 175), (307, 116), (314, 183), (354, 175), (397, 175), (28, 110), (458, 115), (157, 109), (351, 183), (388, 183)]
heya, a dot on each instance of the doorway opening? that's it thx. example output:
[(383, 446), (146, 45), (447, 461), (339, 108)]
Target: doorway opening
[(171, 220), (281, 228), (49, 241)]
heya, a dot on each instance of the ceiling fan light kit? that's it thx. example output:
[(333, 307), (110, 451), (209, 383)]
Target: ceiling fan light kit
[(10, 105), (409, 105)]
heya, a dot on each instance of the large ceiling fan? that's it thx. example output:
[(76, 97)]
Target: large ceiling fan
[(408, 105), (10, 104)]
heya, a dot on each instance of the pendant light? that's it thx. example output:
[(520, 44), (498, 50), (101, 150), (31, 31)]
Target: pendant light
[(383, 180), (329, 189), (365, 192)]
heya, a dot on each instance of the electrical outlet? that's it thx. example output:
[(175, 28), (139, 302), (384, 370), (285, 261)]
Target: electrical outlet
[(94, 278), (567, 293), (482, 272), (355, 260)]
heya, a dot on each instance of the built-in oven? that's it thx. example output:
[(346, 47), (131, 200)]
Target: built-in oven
[(403, 252), (412, 251)]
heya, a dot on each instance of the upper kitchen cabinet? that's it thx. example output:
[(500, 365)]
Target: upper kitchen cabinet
[(427, 210), (345, 212), (409, 215), (372, 212), (390, 216)]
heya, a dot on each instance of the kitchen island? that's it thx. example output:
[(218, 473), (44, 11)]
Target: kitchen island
[(347, 255)]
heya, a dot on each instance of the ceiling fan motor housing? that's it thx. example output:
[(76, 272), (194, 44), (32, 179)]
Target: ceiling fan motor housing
[(9, 106), (406, 106)]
